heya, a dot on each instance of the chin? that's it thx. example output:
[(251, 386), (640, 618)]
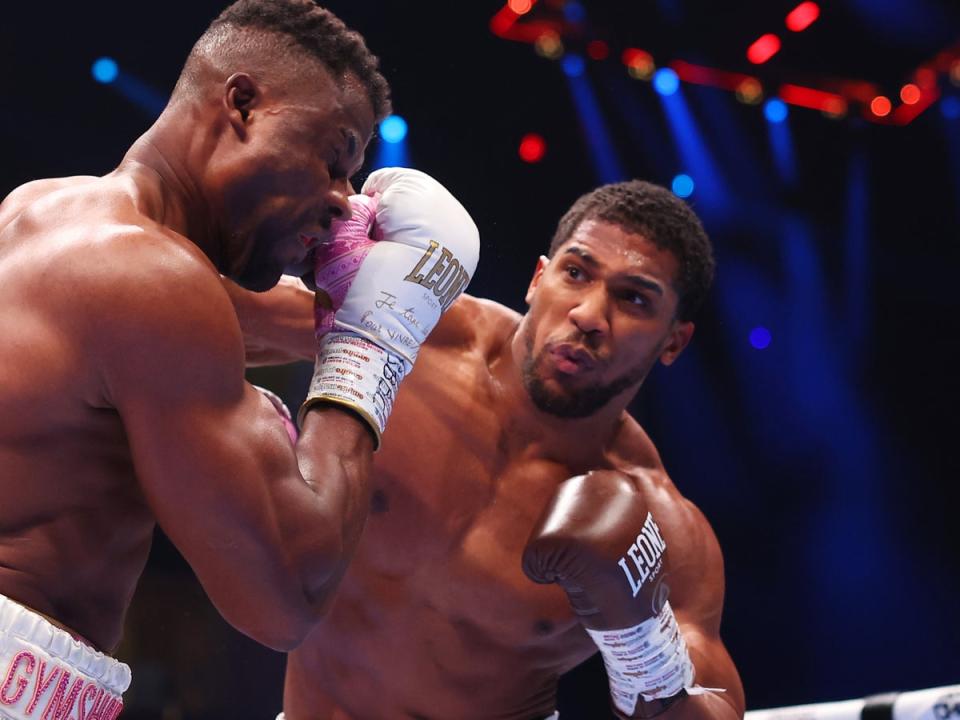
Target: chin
[(258, 279)]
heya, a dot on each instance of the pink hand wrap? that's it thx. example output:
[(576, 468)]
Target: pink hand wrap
[(339, 258)]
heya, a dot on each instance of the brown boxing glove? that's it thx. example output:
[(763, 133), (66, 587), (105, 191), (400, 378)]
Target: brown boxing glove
[(598, 540)]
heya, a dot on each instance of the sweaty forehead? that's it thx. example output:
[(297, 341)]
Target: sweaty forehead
[(357, 106), (620, 250), (341, 104)]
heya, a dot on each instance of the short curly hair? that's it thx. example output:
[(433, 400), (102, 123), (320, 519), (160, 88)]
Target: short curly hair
[(293, 24), (660, 216)]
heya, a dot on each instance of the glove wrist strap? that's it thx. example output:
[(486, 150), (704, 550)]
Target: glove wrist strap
[(648, 661), (353, 372)]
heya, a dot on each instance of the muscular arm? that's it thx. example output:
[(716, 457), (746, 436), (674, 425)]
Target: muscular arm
[(277, 325), (697, 588), (267, 539), (615, 542)]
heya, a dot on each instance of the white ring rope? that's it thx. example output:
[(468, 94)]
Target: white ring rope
[(939, 703)]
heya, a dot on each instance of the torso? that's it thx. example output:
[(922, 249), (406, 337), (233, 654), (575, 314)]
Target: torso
[(435, 618), (74, 528)]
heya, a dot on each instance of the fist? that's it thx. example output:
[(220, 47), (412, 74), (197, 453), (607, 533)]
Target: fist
[(599, 541)]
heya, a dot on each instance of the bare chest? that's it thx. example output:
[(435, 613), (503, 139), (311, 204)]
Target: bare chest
[(452, 511)]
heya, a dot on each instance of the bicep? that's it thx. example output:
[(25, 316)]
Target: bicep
[(212, 458)]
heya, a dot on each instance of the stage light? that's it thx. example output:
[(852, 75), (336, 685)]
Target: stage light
[(925, 78), (573, 65), (802, 16), (639, 63), (955, 72), (598, 50), (880, 106), (393, 129), (682, 186), (775, 110), (763, 48), (574, 12), (760, 338), (532, 148), (950, 108), (910, 94), (549, 45), (750, 91), (666, 81), (835, 108), (520, 7), (105, 70)]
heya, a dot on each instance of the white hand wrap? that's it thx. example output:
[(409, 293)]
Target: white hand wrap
[(358, 374), (649, 660)]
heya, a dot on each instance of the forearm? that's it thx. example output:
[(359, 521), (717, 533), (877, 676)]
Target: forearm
[(707, 706), (335, 453), (278, 324)]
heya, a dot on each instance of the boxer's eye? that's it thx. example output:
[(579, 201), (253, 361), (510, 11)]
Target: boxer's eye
[(573, 272), (635, 301)]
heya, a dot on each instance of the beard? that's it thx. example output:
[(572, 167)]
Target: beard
[(573, 403)]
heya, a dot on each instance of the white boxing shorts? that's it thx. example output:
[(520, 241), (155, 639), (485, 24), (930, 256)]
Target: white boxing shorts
[(45, 673)]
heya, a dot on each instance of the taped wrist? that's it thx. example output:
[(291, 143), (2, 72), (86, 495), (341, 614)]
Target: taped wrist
[(648, 661), (354, 372)]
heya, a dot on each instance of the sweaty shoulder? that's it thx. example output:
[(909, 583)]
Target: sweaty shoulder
[(21, 197), (166, 297), (135, 295), (474, 323)]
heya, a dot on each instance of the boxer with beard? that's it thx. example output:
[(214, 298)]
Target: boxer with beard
[(521, 519)]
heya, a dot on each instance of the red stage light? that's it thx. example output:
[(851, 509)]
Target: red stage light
[(598, 50), (812, 98), (763, 48), (634, 55), (532, 148), (925, 78), (520, 7), (880, 106), (910, 94), (802, 16)]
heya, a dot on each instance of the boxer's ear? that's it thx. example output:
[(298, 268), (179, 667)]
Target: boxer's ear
[(542, 263), (678, 339), (241, 95)]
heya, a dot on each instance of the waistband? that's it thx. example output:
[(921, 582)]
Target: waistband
[(42, 667)]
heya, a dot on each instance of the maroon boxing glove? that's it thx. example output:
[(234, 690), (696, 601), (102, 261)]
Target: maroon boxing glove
[(598, 540)]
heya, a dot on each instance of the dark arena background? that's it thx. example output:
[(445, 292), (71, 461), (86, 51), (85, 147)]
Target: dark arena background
[(813, 419)]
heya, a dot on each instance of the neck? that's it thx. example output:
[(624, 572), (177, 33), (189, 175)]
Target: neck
[(164, 164), (571, 440)]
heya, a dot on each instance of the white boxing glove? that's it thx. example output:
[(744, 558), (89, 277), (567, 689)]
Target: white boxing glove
[(390, 272)]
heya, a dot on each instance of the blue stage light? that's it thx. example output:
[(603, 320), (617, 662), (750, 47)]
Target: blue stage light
[(775, 110), (666, 81), (760, 338), (574, 12), (393, 129), (105, 70), (950, 107), (573, 65), (682, 186)]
